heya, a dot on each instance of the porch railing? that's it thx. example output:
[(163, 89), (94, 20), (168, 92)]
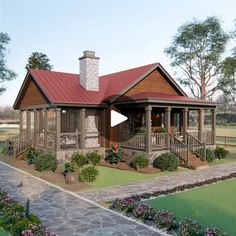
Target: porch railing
[(133, 140), (159, 140), (138, 140), (196, 146), (206, 136), (19, 143), (179, 148)]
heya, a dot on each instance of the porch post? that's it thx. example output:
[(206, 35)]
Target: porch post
[(45, 128), (58, 129), (28, 133), (167, 125), (35, 127), (148, 110), (21, 124), (200, 123), (213, 125), (185, 124), (82, 131)]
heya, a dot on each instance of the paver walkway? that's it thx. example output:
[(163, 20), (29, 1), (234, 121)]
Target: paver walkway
[(159, 183), (64, 213)]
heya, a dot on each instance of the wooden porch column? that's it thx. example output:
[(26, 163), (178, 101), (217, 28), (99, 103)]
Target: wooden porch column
[(213, 125), (82, 128), (28, 121), (21, 124), (200, 123), (167, 125), (45, 128), (148, 110), (58, 129), (185, 124), (35, 127)]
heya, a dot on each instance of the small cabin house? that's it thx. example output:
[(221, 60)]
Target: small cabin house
[(63, 112)]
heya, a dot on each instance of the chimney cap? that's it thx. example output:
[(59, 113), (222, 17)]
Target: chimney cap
[(89, 54)]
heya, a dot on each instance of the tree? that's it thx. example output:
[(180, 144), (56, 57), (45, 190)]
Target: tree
[(6, 74), (40, 61), (197, 49), (228, 80)]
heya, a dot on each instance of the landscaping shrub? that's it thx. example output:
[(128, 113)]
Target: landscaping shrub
[(167, 161), (45, 162), (125, 205), (13, 219), (140, 162), (165, 219), (188, 227), (93, 158), (69, 167), (30, 155), (144, 212), (79, 159), (114, 155), (210, 156), (220, 152), (88, 174), (213, 232)]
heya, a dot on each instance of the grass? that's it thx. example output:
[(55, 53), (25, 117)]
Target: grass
[(110, 176), (212, 206), (231, 157), (6, 133)]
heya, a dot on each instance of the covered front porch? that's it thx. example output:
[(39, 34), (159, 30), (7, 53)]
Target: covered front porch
[(154, 127)]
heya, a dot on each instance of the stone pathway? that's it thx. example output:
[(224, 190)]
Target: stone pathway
[(159, 183), (66, 214)]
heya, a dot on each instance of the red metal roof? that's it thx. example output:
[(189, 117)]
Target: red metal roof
[(65, 87)]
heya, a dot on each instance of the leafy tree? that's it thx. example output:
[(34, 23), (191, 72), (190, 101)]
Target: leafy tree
[(6, 74), (228, 81), (197, 49), (40, 61)]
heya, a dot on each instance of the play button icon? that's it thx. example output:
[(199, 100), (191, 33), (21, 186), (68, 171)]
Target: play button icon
[(117, 118)]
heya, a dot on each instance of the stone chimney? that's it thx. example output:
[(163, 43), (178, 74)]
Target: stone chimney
[(89, 66)]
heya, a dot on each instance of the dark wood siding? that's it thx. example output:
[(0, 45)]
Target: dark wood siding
[(155, 82), (31, 96)]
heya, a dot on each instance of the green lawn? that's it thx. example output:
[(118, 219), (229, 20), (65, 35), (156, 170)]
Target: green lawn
[(212, 206), (6, 133), (231, 157), (110, 176)]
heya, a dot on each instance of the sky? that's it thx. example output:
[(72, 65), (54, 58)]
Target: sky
[(124, 33)]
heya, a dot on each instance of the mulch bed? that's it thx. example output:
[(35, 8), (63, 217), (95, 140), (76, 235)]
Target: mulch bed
[(56, 177), (124, 166)]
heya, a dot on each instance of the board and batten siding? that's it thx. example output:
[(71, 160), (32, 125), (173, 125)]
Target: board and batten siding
[(154, 82), (31, 96)]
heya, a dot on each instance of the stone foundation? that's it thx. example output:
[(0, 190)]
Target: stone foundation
[(64, 155), (129, 154)]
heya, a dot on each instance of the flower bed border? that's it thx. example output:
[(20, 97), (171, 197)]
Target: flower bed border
[(134, 208)]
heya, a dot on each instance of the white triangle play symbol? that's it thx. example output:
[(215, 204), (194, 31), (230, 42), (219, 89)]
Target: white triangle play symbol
[(117, 118)]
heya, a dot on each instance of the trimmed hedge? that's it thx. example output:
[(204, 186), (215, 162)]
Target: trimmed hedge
[(93, 158), (45, 162), (88, 174), (140, 162), (79, 159), (167, 161)]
